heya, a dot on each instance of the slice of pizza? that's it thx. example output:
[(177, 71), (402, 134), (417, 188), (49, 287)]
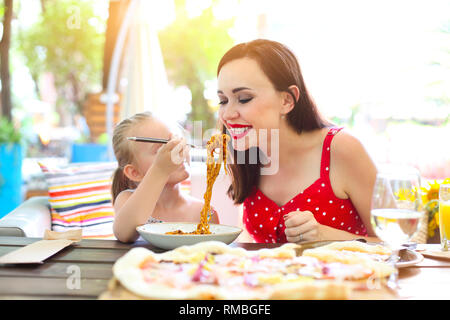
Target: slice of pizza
[(357, 254), (375, 251)]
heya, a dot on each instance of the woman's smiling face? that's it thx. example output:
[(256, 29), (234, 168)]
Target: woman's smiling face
[(249, 102)]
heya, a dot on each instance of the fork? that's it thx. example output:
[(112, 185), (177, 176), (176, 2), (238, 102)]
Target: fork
[(392, 282), (157, 140)]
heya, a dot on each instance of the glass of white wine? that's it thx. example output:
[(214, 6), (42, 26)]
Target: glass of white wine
[(396, 211)]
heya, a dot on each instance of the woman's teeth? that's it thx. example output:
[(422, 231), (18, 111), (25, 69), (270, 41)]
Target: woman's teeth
[(238, 131)]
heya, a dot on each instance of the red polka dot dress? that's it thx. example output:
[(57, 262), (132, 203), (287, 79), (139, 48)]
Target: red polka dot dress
[(263, 218)]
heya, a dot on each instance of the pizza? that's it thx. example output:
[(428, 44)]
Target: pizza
[(214, 270)]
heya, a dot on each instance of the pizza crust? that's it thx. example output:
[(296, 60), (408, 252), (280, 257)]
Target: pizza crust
[(287, 250), (197, 251), (358, 246)]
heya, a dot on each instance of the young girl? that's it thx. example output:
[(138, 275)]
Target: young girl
[(146, 184)]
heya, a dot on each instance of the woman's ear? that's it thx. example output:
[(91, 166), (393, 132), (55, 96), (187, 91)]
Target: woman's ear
[(132, 173), (288, 99)]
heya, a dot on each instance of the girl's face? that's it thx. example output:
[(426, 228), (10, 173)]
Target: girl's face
[(145, 153), (249, 103)]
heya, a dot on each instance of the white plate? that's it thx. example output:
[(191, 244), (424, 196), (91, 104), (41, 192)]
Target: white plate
[(155, 234), (408, 258)]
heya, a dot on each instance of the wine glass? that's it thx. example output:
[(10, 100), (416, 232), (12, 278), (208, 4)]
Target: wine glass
[(396, 212)]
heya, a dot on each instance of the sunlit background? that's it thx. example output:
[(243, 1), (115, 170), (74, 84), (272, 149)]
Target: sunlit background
[(379, 68)]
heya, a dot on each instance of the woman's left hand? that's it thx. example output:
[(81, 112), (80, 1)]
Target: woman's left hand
[(301, 226)]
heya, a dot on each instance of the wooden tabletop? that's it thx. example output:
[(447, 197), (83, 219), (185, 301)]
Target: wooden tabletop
[(92, 260)]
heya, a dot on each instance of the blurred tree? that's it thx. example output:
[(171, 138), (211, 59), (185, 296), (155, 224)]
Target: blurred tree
[(5, 44), (192, 48), (68, 41)]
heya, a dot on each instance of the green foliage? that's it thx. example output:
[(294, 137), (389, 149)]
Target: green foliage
[(192, 49), (67, 41), (8, 133), (103, 139)]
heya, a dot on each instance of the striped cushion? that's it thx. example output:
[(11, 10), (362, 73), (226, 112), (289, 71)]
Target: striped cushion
[(80, 197)]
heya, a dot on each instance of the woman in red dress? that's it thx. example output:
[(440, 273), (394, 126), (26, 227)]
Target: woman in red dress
[(309, 179)]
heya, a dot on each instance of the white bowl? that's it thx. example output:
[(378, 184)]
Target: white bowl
[(155, 234)]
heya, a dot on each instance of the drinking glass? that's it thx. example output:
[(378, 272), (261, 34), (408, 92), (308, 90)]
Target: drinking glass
[(444, 215), (396, 211)]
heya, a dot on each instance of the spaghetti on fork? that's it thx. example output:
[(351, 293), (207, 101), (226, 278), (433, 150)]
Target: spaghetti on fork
[(217, 141)]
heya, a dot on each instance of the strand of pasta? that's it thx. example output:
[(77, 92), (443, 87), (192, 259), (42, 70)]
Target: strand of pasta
[(213, 169)]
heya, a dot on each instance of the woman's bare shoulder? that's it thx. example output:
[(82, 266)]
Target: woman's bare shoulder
[(350, 157), (346, 146)]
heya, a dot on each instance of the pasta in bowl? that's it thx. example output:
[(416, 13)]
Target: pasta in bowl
[(158, 234)]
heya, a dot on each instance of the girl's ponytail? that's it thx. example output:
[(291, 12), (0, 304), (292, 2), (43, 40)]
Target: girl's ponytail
[(124, 153)]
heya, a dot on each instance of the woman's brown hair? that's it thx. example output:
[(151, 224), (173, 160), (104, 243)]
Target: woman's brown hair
[(124, 152), (281, 67)]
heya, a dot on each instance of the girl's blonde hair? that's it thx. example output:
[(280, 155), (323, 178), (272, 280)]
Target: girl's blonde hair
[(124, 153)]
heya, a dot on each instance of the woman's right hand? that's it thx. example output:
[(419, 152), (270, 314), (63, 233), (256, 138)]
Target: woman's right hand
[(171, 155)]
